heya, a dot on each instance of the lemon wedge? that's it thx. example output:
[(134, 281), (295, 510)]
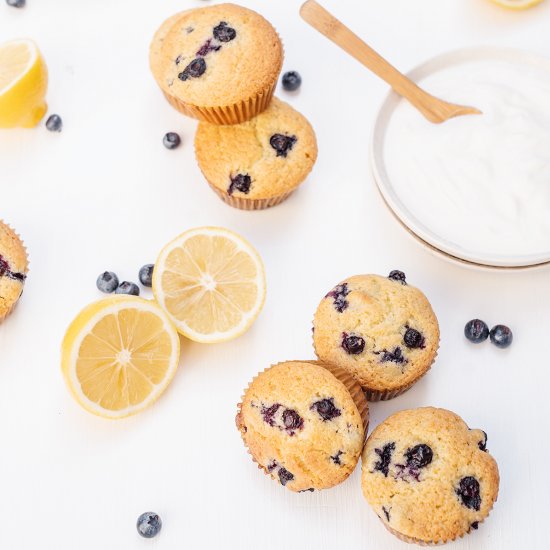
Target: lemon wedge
[(119, 354), (23, 84), (517, 4), (211, 282)]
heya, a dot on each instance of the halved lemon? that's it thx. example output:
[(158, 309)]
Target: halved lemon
[(211, 282), (119, 354), (23, 84), (517, 4)]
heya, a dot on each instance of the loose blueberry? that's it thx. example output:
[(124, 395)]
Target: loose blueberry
[(171, 140), (207, 47), (241, 182), (291, 81), (149, 525), (501, 336), (285, 476), (282, 144), (469, 493), (326, 409), (107, 282), (353, 345), (419, 456), (146, 275), (127, 288), (383, 465), (413, 339), (483, 443), (16, 3), (54, 123), (224, 33), (398, 276), (339, 294), (292, 421), (476, 331), (195, 69)]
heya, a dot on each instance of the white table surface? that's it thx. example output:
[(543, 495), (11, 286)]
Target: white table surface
[(105, 194)]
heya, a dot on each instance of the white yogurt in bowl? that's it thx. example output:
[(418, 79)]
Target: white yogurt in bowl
[(476, 187)]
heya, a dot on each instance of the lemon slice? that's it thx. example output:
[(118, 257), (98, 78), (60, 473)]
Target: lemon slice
[(23, 84), (119, 355), (211, 282), (517, 4)]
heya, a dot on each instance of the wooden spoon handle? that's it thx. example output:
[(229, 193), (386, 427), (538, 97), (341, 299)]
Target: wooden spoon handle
[(320, 19)]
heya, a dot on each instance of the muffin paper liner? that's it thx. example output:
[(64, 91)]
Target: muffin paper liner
[(10, 308), (228, 114), (351, 385), (250, 204)]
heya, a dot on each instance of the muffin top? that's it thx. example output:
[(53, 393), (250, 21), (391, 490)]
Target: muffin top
[(267, 156), (302, 426), (216, 56), (13, 268), (379, 328), (428, 476)]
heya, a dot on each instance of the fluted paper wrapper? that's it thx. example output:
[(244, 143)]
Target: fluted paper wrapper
[(249, 204), (228, 114)]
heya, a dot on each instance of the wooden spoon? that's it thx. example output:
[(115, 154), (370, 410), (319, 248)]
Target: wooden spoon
[(434, 109)]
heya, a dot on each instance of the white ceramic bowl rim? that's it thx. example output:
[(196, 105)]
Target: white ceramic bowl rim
[(383, 181)]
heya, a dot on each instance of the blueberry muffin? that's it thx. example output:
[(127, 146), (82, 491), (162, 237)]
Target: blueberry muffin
[(218, 63), (380, 329), (429, 477), (13, 269), (259, 163), (304, 423)]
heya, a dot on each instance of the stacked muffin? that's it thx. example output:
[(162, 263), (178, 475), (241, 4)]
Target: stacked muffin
[(426, 475), (220, 64)]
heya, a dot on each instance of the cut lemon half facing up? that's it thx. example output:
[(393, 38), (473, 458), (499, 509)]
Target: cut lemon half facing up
[(211, 282), (119, 354)]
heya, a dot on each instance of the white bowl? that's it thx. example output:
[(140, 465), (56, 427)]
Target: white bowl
[(399, 208)]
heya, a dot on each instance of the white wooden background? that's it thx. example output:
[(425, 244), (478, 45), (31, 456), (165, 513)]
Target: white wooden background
[(105, 194)]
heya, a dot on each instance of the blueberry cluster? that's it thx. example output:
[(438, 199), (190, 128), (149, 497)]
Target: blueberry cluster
[(477, 331), (108, 282)]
